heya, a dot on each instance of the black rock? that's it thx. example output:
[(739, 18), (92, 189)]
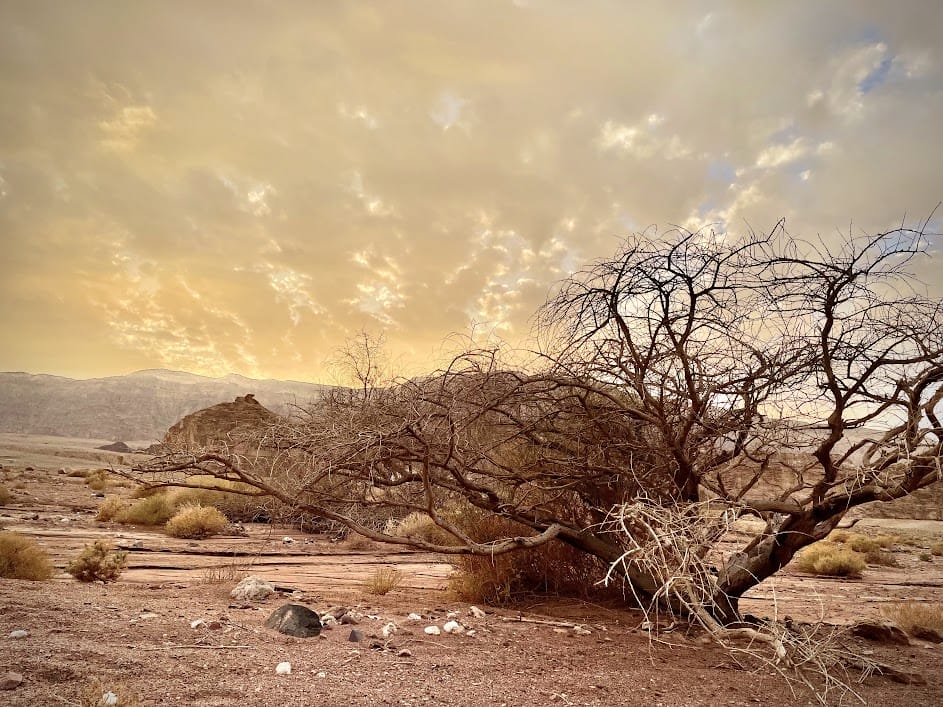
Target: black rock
[(116, 447), (355, 636), (295, 620)]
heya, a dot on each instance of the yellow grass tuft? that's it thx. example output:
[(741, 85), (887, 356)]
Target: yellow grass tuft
[(110, 509), (827, 558), (936, 549), (912, 616), (383, 581), (196, 522), (22, 558)]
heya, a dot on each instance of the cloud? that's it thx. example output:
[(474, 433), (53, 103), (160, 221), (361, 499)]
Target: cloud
[(244, 198)]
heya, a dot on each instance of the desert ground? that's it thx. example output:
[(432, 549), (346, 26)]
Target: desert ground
[(168, 633)]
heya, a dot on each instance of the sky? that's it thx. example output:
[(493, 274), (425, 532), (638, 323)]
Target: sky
[(241, 186)]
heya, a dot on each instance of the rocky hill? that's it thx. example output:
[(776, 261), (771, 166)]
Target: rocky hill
[(140, 406), (221, 424)]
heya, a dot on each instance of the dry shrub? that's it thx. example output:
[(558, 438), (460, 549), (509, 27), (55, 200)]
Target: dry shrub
[(383, 581), (110, 508), (5, 496), (925, 557), (150, 510), (98, 480), (827, 558), (912, 616), (96, 694), (419, 526), (196, 522), (936, 549), (225, 574), (551, 568), (873, 549), (22, 558), (98, 562), (217, 492)]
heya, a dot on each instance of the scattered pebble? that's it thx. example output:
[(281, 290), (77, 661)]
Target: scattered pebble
[(108, 699), (453, 627), (452, 615), (476, 612), (322, 674), (355, 636), (414, 617), (19, 633), (197, 623), (288, 540), (283, 668), (389, 630), (10, 680), (432, 630), (405, 653)]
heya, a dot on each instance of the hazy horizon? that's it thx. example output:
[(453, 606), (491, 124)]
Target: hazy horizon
[(190, 188)]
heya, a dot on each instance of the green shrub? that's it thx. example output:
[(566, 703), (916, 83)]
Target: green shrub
[(111, 508), (196, 522), (22, 558), (827, 558), (98, 562)]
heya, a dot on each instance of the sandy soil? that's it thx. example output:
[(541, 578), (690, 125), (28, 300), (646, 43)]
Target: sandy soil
[(135, 636)]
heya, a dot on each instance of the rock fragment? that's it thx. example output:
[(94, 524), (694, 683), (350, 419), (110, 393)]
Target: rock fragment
[(283, 668), (295, 620), (252, 589), (881, 631), (10, 680)]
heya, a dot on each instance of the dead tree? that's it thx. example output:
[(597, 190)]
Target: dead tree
[(683, 384)]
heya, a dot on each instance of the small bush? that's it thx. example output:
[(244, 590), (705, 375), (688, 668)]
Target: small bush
[(419, 526), (151, 510), (110, 509), (912, 616), (98, 480), (552, 568), (828, 559), (98, 562), (936, 549), (383, 581), (924, 557), (5, 496), (22, 558), (196, 522)]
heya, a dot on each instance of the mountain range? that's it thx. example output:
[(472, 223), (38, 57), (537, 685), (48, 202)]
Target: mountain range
[(140, 406)]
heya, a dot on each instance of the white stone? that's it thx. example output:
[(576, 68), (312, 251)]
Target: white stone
[(322, 674), (432, 630), (109, 698), (389, 630), (288, 540), (452, 615), (283, 668), (19, 633), (453, 627), (197, 623), (328, 620), (414, 617), (476, 612), (252, 589)]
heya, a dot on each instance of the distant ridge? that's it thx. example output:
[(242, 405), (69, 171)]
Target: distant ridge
[(139, 406)]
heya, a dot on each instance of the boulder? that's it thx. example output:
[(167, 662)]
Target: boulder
[(252, 589), (295, 620)]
